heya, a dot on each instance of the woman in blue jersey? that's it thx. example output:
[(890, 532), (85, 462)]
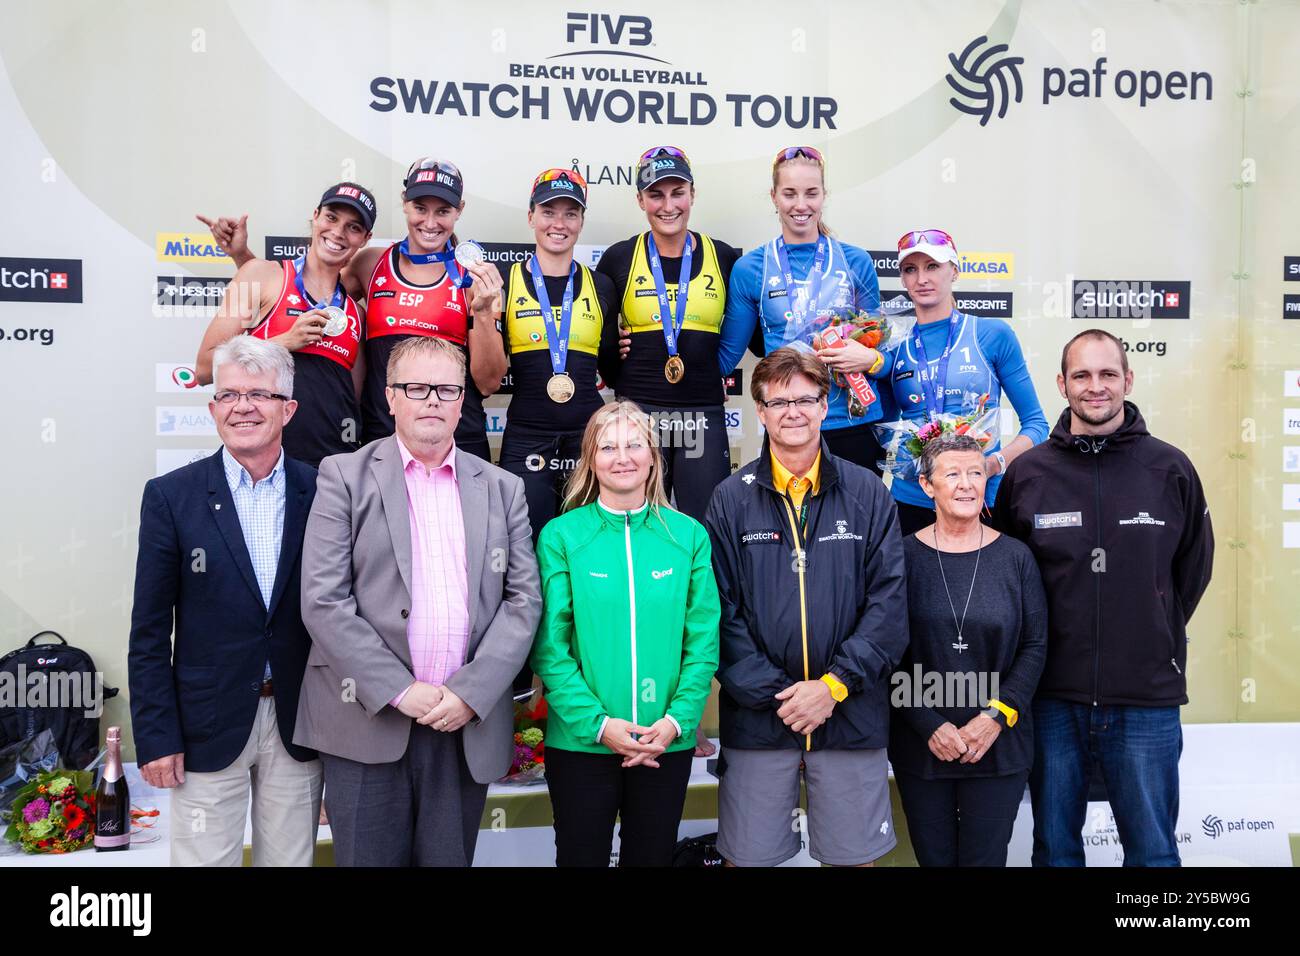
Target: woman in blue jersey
[(949, 357), (802, 273)]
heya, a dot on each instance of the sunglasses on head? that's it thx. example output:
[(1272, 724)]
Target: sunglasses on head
[(434, 164), (654, 152), (925, 237), (547, 175), (793, 152)]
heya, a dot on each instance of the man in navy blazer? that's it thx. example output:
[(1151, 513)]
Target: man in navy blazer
[(219, 559)]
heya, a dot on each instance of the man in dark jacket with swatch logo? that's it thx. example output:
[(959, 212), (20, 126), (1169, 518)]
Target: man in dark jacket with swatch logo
[(809, 564), (1119, 525)]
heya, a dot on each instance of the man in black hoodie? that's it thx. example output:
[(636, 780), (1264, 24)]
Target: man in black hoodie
[(1121, 530)]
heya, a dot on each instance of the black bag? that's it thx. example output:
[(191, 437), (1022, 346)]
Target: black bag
[(22, 762), (698, 851), (52, 686)]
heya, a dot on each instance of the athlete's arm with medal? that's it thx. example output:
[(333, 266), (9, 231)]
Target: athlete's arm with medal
[(487, 353), (340, 226)]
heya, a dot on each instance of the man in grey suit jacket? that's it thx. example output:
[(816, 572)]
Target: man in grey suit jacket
[(420, 590)]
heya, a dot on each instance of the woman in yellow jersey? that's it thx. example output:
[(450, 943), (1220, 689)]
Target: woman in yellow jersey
[(672, 294), (556, 334)]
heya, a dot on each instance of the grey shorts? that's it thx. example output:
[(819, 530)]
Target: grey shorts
[(849, 819)]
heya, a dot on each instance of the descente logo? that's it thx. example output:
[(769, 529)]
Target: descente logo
[(74, 909)]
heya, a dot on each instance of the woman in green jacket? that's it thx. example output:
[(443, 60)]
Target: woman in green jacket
[(627, 648)]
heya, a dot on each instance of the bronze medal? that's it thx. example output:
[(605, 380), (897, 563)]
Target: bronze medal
[(674, 369), (560, 388)]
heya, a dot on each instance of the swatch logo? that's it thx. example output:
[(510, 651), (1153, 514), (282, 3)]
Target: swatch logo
[(40, 280), (1131, 299)]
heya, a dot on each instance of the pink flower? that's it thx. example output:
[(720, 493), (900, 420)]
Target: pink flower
[(38, 809)]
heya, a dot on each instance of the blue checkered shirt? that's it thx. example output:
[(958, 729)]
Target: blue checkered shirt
[(261, 517)]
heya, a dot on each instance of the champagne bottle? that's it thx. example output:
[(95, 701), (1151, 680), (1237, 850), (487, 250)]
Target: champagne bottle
[(112, 801)]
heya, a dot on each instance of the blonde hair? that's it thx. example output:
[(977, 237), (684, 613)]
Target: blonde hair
[(583, 487), (822, 228), (425, 345)]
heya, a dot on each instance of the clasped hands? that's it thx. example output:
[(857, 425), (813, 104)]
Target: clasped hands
[(436, 707), (807, 705), (642, 749), (968, 744)]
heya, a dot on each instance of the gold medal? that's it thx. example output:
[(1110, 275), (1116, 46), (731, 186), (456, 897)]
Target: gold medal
[(674, 369), (560, 388)]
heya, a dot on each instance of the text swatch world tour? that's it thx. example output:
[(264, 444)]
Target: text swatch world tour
[(584, 105)]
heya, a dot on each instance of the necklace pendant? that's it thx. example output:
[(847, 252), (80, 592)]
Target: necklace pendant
[(960, 645)]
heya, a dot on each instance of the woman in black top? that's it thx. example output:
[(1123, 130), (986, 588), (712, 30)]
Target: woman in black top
[(961, 740), (671, 369)]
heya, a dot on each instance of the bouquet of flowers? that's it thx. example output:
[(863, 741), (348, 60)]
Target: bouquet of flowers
[(903, 441), (835, 329), (529, 763), (54, 813)]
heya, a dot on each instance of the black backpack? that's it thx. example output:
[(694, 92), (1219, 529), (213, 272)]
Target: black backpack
[(698, 851), (52, 686)]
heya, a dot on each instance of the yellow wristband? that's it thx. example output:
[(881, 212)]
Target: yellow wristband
[(877, 365), (838, 691), (1011, 715)]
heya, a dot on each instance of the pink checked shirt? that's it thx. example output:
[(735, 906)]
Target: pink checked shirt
[(438, 628)]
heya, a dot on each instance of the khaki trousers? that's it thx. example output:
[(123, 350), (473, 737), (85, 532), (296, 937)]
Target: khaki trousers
[(210, 810)]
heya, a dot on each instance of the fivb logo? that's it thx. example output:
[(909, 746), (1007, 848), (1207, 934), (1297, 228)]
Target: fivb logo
[(608, 28)]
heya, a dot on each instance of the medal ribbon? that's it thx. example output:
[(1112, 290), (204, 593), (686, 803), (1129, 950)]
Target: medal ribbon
[(934, 380), (298, 265), (448, 256), (814, 278), (557, 338), (672, 323)]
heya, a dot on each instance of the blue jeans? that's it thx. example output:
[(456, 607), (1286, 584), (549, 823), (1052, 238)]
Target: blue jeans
[(1137, 749)]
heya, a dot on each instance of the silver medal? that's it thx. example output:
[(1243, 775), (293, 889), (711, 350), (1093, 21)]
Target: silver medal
[(336, 321), (468, 253)]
